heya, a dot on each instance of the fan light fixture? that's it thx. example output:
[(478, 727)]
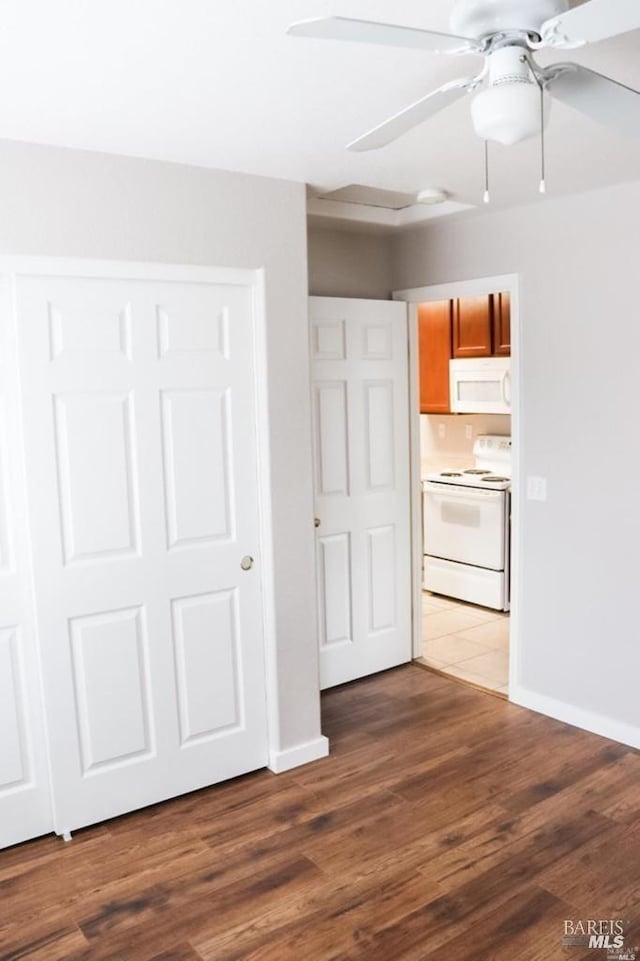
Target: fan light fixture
[(507, 113), (509, 109), (432, 196), (507, 33)]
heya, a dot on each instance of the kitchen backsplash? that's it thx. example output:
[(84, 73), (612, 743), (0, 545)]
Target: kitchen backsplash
[(444, 440)]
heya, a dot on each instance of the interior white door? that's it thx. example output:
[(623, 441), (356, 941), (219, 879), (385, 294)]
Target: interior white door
[(139, 412), (25, 806), (362, 488)]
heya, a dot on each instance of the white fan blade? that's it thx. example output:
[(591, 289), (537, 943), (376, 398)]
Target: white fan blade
[(387, 34), (411, 116), (604, 100), (593, 21)]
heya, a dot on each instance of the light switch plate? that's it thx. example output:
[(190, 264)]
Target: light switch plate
[(442, 431), (468, 431), (536, 488)]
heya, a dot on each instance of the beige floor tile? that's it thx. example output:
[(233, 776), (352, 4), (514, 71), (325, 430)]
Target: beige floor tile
[(493, 665), (481, 614), (466, 641), (436, 603), (492, 634), (446, 622), (463, 672), (433, 662), (428, 608), (451, 649), (431, 602)]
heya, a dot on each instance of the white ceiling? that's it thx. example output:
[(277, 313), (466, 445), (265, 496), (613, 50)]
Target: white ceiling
[(218, 83)]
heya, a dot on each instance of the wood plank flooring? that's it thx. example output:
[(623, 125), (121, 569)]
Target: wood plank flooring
[(445, 824)]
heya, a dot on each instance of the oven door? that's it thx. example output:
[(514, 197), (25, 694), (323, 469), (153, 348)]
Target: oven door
[(465, 524)]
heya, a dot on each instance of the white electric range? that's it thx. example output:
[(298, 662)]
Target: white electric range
[(466, 525)]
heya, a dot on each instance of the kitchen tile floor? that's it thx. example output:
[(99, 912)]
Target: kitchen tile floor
[(465, 641)]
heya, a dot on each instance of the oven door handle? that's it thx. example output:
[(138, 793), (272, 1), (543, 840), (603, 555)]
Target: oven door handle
[(433, 488)]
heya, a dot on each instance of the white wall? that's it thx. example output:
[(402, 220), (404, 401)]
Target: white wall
[(76, 204), (578, 261), (348, 263)]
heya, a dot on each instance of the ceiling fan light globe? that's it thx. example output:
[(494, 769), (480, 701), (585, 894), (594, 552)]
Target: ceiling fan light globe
[(508, 112)]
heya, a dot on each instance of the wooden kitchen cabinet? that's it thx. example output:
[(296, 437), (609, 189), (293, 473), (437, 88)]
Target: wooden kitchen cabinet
[(472, 327), (434, 335), (467, 327), (502, 324)]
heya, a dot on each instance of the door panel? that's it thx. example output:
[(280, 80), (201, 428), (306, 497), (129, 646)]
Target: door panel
[(209, 696), (381, 556), (25, 806), (379, 420), (110, 653), (436, 350), (472, 327), (196, 465), (141, 447), (95, 460), (361, 443), (335, 595), (12, 718), (502, 324), (332, 467)]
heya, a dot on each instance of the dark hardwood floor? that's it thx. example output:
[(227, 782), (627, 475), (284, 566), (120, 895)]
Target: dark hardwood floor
[(446, 824)]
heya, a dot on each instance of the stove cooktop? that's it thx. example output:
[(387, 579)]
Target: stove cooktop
[(471, 477)]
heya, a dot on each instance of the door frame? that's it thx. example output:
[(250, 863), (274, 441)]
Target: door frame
[(448, 291), (255, 279)]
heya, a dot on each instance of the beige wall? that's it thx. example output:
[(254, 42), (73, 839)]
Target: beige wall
[(346, 263), (577, 258), (455, 449), (68, 203)]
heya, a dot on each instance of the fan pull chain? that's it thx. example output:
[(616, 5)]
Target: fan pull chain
[(543, 185), (487, 197)]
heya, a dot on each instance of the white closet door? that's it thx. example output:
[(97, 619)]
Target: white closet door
[(25, 807), (140, 432), (362, 489)]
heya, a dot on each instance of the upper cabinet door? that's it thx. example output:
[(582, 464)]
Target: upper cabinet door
[(434, 331), (502, 324), (472, 327)]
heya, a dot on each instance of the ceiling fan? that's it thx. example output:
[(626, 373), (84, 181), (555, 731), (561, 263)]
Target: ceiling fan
[(510, 91)]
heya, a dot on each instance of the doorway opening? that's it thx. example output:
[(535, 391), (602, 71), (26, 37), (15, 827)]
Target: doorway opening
[(465, 451)]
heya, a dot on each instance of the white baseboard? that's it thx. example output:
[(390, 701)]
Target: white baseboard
[(280, 761), (576, 716)]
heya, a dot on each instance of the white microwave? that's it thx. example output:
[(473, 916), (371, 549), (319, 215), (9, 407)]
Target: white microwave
[(480, 385)]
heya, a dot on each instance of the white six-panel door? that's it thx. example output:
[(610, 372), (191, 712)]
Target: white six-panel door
[(362, 489), (25, 808), (139, 412)]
